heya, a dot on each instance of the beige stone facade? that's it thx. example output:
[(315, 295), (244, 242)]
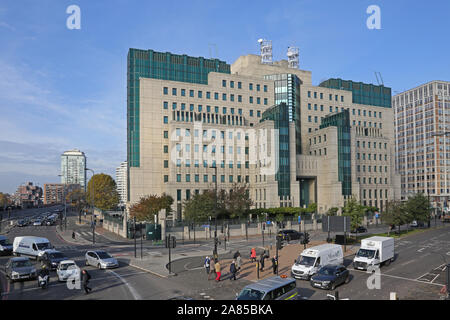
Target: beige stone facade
[(184, 124)]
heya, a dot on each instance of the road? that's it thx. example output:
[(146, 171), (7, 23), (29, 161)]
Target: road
[(416, 273)]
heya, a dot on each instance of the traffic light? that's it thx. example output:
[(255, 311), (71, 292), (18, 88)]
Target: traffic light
[(306, 238), (279, 243), (171, 242)]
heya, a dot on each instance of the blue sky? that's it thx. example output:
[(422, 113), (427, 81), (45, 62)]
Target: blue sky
[(62, 89)]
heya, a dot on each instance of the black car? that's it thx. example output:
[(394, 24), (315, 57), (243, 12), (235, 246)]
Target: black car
[(22, 223), (288, 235), (360, 229), (52, 258), (329, 277)]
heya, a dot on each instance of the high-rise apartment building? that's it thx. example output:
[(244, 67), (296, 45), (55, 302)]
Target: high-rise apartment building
[(73, 165), (121, 181), (266, 126), (422, 125)]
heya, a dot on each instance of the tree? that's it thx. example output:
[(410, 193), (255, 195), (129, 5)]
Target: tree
[(4, 200), (200, 207), (332, 211), (77, 198), (103, 188), (355, 211), (237, 201), (418, 208), (395, 214), (149, 206)]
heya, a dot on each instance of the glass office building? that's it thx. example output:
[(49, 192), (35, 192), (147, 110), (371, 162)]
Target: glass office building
[(363, 93), (164, 66), (341, 120)]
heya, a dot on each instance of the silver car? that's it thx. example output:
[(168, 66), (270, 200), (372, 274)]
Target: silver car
[(101, 260), (20, 269)]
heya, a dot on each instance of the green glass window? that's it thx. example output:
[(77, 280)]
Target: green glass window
[(165, 90), (174, 91), (166, 149), (166, 178), (166, 105), (183, 92)]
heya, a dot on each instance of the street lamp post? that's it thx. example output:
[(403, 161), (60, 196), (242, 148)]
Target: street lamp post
[(92, 204), (215, 212)]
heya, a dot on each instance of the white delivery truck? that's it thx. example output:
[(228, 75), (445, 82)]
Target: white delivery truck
[(374, 251), (312, 259), (31, 246)]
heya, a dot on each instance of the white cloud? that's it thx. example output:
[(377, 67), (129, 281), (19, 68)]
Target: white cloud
[(7, 26)]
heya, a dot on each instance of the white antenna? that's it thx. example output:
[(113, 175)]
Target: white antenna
[(266, 51), (293, 57)]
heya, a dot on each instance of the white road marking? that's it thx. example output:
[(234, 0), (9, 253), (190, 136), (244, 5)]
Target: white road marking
[(135, 295), (401, 278), (420, 250), (435, 277)]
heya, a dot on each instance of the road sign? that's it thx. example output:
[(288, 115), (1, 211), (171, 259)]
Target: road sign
[(336, 224)]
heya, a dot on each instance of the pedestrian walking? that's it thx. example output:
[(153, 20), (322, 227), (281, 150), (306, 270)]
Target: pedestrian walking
[(238, 262), (86, 278), (233, 270), (253, 255), (236, 254), (275, 264), (261, 260), (217, 269), (73, 235), (207, 265)]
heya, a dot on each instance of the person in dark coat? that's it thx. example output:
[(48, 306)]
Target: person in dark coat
[(236, 254), (86, 278), (233, 270), (274, 264), (261, 260)]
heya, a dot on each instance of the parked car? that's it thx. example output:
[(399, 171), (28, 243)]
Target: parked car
[(360, 229), (20, 269), (67, 269), (288, 235), (37, 222), (330, 276), (100, 259), (52, 258)]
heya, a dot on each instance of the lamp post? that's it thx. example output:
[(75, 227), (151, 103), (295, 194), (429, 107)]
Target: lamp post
[(64, 199), (92, 204), (215, 211)]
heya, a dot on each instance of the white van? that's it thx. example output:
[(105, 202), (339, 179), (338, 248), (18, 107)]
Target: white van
[(312, 259), (31, 246), (374, 251), (5, 246)]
